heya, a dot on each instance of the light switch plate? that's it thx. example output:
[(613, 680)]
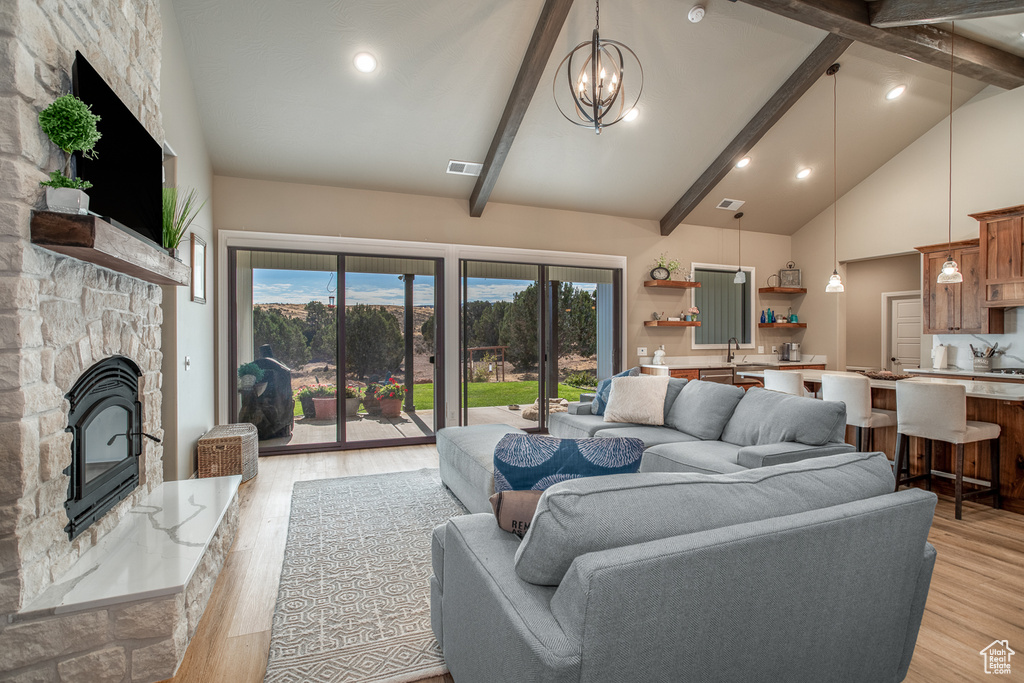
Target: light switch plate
[(760, 349), (641, 350)]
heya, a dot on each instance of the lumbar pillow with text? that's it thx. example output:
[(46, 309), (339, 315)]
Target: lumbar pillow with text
[(514, 509), (640, 400), (524, 462)]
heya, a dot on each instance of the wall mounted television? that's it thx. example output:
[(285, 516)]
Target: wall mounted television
[(127, 173)]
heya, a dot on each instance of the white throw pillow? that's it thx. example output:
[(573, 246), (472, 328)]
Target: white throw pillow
[(637, 399)]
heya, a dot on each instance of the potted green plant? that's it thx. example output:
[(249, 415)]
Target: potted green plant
[(71, 125), (179, 210), (390, 395), (663, 267), (249, 376), (352, 400)]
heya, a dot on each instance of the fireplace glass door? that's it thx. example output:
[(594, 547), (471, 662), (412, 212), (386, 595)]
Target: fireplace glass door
[(106, 440)]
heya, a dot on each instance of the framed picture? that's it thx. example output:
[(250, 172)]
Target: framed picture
[(198, 269), (789, 276)]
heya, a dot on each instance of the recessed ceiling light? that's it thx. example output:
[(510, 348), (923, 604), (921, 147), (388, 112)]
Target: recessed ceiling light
[(742, 163), (365, 62), (631, 116), (804, 172), (895, 92)]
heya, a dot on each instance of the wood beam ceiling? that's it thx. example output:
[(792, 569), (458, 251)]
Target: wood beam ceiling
[(549, 25), (928, 44), (823, 56), (894, 13)]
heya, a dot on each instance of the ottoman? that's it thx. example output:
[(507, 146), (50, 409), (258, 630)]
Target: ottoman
[(466, 459)]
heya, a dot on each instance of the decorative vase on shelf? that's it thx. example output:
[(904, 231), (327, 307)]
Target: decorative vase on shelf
[(764, 318), (67, 200)]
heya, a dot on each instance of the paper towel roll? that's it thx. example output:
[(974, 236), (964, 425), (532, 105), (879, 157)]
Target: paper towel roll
[(939, 357)]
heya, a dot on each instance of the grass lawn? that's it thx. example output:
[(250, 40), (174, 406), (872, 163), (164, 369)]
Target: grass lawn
[(483, 394)]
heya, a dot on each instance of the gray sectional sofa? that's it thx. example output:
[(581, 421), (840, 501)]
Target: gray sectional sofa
[(719, 428), (806, 571)]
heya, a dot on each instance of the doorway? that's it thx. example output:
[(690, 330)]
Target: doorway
[(901, 330), (334, 351)]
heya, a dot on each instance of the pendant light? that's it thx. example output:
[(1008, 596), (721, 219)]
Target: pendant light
[(596, 93), (835, 283), (740, 278), (950, 270)]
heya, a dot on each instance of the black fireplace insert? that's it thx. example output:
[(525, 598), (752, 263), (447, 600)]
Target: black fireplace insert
[(106, 424)]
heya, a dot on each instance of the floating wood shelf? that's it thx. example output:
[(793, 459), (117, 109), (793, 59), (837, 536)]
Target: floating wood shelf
[(671, 323), (90, 238), (782, 290), (782, 324), (671, 284)]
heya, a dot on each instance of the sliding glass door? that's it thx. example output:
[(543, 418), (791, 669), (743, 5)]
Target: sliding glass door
[(311, 379), (533, 337)]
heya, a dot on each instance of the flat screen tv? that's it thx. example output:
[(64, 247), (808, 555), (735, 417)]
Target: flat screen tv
[(127, 173)]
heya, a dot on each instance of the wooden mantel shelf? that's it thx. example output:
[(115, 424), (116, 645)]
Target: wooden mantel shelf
[(671, 284), (794, 325), (92, 239)]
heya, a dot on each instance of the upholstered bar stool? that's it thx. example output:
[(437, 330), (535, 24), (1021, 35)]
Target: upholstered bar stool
[(855, 391), (938, 412), (784, 381)]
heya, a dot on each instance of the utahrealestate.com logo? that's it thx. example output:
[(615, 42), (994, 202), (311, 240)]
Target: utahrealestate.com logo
[(997, 657)]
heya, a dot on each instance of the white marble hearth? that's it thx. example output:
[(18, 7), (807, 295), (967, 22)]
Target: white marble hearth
[(153, 551)]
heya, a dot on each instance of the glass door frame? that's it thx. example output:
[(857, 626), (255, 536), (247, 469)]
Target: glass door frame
[(547, 334), (342, 443)]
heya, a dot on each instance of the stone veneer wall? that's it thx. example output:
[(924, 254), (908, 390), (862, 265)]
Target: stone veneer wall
[(59, 315), (127, 643)]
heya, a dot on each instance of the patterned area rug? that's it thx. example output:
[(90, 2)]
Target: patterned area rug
[(354, 599)]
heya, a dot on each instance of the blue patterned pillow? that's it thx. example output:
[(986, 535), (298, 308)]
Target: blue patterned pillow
[(604, 388), (524, 462)]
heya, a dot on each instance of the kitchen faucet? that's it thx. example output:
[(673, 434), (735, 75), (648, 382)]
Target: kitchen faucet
[(730, 355)]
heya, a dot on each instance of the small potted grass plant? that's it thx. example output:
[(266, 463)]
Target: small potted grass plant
[(180, 208), (250, 377), (71, 125)]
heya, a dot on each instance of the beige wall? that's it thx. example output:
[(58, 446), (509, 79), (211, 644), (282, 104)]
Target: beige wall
[(265, 206), (188, 327), (904, 203), (865, 283)]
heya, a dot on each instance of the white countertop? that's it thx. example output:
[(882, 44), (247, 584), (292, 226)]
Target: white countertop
[(153, 551), (704, 362), (1001, 391), (958, 371)]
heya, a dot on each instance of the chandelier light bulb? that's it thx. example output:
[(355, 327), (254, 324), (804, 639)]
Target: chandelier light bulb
[(835, 284), (631, 116)]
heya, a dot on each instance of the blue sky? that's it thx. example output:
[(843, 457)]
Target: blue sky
[(302, 286)]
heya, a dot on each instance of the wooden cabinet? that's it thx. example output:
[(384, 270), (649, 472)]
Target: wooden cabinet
[(1001, 234), (686, 374), (956, 308)]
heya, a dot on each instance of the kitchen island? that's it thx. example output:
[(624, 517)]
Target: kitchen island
[(987, 401)]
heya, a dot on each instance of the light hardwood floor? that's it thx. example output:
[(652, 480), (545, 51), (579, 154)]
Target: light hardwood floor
[(977, 591)]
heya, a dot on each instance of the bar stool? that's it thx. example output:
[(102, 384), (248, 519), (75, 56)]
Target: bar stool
[(938, 412), (784, 381), (855, 391)]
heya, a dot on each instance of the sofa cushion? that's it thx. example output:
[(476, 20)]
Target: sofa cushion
[(703, 409), (640, 400), (598, 513), (604, 387), (651, 436), (524, 462), (702, 457), (466, 460), (770, 417), (675, 386), (569, 426)]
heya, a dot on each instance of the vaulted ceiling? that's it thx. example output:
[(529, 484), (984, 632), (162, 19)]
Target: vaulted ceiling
[(280, 99)]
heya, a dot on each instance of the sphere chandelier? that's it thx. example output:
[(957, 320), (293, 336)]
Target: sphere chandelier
[(595, 73)]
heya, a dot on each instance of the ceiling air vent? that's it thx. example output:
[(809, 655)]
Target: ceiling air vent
[(730, 204), (464, 167)]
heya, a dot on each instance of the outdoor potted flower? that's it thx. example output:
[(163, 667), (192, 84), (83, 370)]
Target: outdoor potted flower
[(71, 125), (390, 395), (305, 398), (179, 210), (352, 399), (370, 401), (325, 402), (250, 378)]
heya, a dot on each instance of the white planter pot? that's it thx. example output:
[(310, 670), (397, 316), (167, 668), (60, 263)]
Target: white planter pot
[(67, 200)]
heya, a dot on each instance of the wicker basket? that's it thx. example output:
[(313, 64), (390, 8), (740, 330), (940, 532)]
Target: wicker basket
[(229, 449)]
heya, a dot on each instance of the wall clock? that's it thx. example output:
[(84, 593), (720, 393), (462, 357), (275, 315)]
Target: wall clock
[(659, 273)]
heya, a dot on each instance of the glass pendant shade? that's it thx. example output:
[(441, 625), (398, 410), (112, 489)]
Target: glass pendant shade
[(950, 273), (835, 284), (740, 278)]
